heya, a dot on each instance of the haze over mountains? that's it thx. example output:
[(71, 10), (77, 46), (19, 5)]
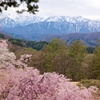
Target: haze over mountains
[(46, 28)]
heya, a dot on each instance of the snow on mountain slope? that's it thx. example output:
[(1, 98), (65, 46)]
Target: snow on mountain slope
[(29, 19), (33, 27)]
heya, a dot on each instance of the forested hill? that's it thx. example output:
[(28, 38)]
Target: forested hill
[(5, 36), (24, 43), (90, 39)]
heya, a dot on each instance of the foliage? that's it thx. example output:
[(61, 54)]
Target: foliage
[(96, 64), (28, 44), (36, 45), (18, 42), (72, 61), (54, 56), (91, 82), (36, 59), (4, 36), (90, 50), (22, 51), (19, 82), (28, 84), (18, 47), (77, 53), (30, 4), (87, 66)]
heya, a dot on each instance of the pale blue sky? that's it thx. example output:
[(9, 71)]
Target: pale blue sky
[(85, 8)]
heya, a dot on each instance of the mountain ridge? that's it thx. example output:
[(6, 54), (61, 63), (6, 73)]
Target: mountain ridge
[(35, 19), (39, 28)]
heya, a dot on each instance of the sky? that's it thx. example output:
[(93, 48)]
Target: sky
[(85, 8)]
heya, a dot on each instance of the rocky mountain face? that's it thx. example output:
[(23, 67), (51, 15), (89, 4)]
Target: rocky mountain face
[(34, 27), (46, 28)]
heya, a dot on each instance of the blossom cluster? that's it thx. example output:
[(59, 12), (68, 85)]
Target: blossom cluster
[(25, 58), (8, 58), (29, 84)]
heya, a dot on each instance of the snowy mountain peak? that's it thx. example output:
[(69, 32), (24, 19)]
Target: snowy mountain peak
[(29, 19), (49, 25), (34, 27)]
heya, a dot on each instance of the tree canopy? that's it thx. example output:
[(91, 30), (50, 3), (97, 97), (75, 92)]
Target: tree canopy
[(31, 5)]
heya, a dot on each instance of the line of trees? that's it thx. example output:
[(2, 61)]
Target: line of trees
[(65, 60), (72, 61)]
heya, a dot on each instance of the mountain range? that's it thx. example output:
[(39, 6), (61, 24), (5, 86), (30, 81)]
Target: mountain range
[(45, 28)]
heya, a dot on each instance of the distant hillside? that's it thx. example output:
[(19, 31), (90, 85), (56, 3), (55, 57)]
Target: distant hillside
[(24, 43), (4, 36), (28, 44), (90, 39)]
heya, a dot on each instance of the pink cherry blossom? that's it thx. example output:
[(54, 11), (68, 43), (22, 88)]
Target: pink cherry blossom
[(19, 82)]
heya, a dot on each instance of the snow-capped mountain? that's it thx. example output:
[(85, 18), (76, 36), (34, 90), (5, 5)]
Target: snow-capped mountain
[(30, 19), (34, 19), (33, 27)]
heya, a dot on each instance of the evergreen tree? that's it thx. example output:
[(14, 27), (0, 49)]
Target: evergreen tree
[(55, 55), (96, 63), (77, 52)]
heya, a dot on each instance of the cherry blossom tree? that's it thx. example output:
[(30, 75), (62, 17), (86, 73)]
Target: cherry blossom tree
[(29, 84), (26, 83)]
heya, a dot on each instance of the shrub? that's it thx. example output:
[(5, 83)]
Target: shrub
[(88, 83), (28, 84)]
